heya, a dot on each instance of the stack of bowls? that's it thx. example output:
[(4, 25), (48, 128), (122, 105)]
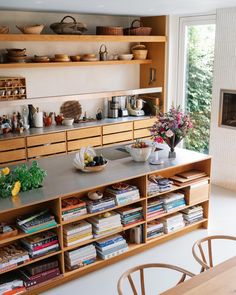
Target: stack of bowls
[(16, 55), (61, 58)]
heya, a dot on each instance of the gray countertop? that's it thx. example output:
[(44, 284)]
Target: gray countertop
[(54, 128), (64, 179)]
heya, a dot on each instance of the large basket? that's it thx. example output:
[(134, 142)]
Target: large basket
[(140, 30), (70, 28), (109, 30), (4, 30), (71, 109)]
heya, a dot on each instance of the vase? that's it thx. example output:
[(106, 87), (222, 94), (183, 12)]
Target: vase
[(172, 143)]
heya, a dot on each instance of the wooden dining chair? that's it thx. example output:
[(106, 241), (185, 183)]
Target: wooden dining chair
[(140, 269), (205, 259)]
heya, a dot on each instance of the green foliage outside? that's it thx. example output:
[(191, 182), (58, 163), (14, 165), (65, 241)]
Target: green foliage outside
[(200, 58)]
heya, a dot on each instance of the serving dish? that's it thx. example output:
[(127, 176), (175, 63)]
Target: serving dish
[(68, 121), (127, 56), (139, 154), (34, 29)]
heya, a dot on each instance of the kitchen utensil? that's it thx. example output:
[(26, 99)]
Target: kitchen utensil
[(139, 30), (139, 154), (68, 121), (127, 56), (99, 114), (38, 119), (112, 109), (75, 58), (71, 109), (16, 52), (103, 30), (103, 54), (70, 28), (35, 29), (4, 30)]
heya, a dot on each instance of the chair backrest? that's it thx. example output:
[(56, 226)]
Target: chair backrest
[(206, 257), (140, 269)]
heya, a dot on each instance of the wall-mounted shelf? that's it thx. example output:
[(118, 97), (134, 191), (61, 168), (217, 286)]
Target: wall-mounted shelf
[(74, 64), (80, 38)]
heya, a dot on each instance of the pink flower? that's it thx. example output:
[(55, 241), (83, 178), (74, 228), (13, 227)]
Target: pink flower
[(169, 133)]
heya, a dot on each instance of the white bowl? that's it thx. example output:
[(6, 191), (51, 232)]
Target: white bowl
[(128, 56), (139, 154), (68, 121)]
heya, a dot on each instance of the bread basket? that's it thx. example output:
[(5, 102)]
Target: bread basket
[(139, 30), (70, 28)]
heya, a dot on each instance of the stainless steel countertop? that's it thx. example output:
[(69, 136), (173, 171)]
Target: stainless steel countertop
[(64, 179)]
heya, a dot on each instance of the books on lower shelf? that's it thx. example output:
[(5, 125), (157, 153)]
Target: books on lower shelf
[(173, 223), (10, 284), (123, 193), (111, 246), (106, 223), (173, 201), (155, 228), (80, 257), (155, 206), (77, 232), (73, 207), (100, 205), (36, 222), (130, 214), (41, 244), (158, 184), (36, 275), (192, 214)]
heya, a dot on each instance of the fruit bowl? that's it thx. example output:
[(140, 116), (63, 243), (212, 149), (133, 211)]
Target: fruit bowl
[(139, 151)]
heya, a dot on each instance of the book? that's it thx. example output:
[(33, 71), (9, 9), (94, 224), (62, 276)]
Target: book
[(41, 266), (72, 203), (191, 174), (113, 254), (39, 239), (76, 227)]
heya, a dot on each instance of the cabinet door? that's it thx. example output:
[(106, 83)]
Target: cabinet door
[(147, 123), (12, 150), (115, 128), (78, 144), (142, 133), (83, 133), (117, 137), (46, 145)]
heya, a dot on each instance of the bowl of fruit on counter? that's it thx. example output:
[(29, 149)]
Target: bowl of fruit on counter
[(140, 151), (86, 160)]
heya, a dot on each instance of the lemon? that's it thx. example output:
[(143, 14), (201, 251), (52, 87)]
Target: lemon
[(5, 171), (16, 188)]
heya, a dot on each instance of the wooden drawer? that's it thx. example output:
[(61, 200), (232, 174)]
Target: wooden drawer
[(115, 128), (46, 150), (141, 133), (197, 192), (83, 133), (77, 144), (46, 139), (118, 137), (12, 144), (144, 123), (12, 156)]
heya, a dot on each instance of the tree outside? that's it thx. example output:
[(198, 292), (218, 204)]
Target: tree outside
[(200, 59)]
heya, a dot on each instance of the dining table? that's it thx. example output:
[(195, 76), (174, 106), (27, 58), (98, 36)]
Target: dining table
[(218, 280)]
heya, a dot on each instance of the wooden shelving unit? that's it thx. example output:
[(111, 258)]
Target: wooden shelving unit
[(203, 164)]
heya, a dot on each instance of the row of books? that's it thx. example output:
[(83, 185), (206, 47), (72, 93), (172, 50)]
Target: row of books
[(123, 193), (192, 214), (158, 184), (77, 232), (131, 214), (155, 228), (11, 285)]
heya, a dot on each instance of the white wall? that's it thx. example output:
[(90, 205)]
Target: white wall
[(69, 80), (223, 140)]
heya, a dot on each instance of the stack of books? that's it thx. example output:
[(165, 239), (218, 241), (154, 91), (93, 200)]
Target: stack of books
[(11, 256), (39, 273), (100, 205), (41, 244), (123, 193), (11, 285), (72, 208), (173, 223), (189, 177), (173, 201), (158, 184), (111, 246), (131, 214), (155, 207), (193, 214), (35, 222), (155, 228), (77, 232), (80, 257), (106, 223)]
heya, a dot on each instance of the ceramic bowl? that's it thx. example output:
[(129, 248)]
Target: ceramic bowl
[(128, 56), (68, 121), (139, 154), (95, 195), (75, 57), (35, 29)]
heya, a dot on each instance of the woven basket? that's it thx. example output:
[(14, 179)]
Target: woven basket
[(70, 28), (140, 31), (71, 109), (109, 31), (4, 30)]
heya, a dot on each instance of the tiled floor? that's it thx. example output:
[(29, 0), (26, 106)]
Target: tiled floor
[(177, 251)]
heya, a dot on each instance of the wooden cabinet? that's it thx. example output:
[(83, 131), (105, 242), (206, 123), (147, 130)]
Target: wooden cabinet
[(12, 150), (117, 133), (83, 137), (141, 128), (198, 192), (46, 145), (115, 128)]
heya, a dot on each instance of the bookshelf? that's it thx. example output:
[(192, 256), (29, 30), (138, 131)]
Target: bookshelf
[(139, 178)]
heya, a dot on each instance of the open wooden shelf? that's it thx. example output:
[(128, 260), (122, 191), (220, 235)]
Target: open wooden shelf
[(74, 64), (80, 38)]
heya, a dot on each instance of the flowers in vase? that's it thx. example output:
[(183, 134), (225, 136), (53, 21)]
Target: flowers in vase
[(171, 127)]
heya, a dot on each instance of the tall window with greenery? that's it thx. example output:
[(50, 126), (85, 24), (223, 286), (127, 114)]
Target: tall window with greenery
[(199, 76)]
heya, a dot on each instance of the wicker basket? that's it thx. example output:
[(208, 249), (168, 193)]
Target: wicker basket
[(70, 28), (140, 31), (139, 51), (109, 31), (4, 30), (71, 109)]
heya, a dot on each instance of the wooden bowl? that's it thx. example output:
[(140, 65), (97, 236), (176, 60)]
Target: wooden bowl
[(35, 29), (16, 52), (75, 58)]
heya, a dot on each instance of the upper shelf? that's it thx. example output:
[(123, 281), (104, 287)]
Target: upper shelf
[(80, 38)]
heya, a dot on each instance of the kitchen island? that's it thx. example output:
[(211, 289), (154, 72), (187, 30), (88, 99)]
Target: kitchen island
[(64, 181)]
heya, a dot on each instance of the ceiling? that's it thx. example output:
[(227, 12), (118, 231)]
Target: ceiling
[(119, 7)]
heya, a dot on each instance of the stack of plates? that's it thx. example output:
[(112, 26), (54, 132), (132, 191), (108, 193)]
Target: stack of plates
[(61, 58), (16, 55), (42, 58)]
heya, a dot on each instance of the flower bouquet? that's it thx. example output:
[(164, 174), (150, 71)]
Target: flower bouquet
[(171, 128)]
